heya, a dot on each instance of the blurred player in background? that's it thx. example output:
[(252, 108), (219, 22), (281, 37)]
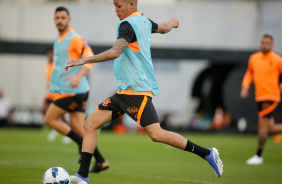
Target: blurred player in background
[(49, 97), (72, 87), (48, 73), (6, 116), (136, 85), (264, 68)]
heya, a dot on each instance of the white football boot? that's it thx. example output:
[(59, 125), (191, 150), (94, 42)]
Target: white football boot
[(255, 160), (78, 179)]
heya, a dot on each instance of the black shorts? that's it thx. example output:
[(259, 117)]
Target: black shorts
[(72, 103), (266, 108), (49, 101), (139, 107)]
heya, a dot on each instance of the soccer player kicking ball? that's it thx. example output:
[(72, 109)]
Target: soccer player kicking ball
[(136, 85)]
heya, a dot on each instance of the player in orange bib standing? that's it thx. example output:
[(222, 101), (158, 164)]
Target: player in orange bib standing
[(264, 68), (49, 97), (72, 87)]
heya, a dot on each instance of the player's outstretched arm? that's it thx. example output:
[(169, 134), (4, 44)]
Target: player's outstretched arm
[(110, 54), (166, 27)]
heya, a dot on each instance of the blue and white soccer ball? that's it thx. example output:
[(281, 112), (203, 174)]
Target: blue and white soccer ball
[(56, 175)]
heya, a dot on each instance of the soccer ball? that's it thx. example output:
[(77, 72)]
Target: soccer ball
[(56, 175)]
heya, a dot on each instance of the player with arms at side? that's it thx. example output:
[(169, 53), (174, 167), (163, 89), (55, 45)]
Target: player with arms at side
[(136, 85), (72, 87), (264, 68), (48, 73)]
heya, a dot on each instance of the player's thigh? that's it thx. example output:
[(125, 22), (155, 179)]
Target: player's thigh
[(54, 112), (97, 119), (76, 121)]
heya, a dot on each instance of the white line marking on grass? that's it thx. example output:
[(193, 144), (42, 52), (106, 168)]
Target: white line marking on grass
[(164, 178)]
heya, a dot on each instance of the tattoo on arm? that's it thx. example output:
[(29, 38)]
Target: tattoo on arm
[(112, 53), (120, 45)]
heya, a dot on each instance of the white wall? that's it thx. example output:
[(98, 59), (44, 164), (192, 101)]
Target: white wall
[(271, 22), (22, 78), (210, 24)]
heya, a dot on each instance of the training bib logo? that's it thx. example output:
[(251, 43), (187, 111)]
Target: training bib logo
[(120, 83)]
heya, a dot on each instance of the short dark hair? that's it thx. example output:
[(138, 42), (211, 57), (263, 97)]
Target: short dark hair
[(62, 8), (268, 36)]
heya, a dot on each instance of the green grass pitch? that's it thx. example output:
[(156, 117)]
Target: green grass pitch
[(134, 159)]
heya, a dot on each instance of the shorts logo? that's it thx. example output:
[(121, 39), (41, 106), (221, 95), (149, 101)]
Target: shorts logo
[(72, 106), (132, 109), (120, 114), (106, 102)]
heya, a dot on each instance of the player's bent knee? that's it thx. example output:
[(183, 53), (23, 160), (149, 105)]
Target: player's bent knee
[(89, 126), (47, 121), (85, 125), (156, 137)]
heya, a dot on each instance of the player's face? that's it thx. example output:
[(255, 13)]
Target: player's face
[(62, 20), (266, 45), (122, 9)]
